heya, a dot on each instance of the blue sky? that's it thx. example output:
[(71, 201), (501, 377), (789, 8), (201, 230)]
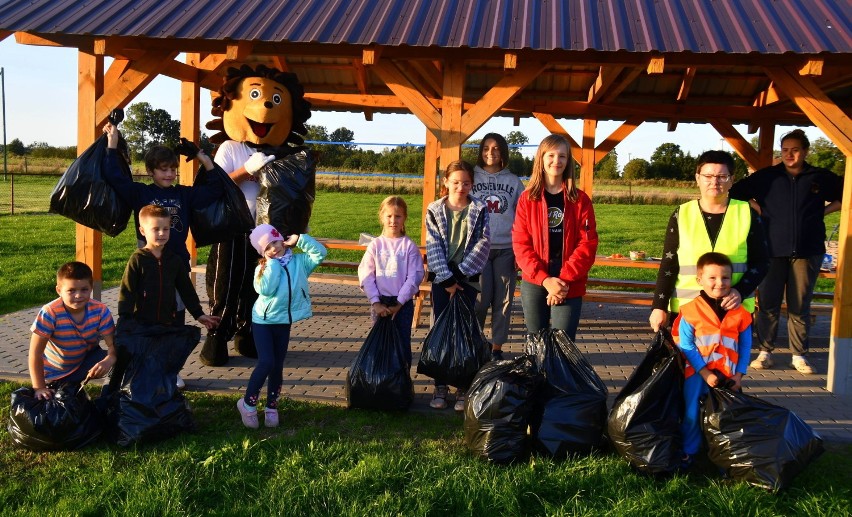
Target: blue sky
[(41, 98)]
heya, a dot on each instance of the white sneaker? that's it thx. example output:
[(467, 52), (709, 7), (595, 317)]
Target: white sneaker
[(763, 362), (180, 384), (802, 365)]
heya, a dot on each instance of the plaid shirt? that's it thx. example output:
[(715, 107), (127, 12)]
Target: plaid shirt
[(476, 247)]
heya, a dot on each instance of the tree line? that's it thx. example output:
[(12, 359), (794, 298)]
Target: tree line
[(145, 126)]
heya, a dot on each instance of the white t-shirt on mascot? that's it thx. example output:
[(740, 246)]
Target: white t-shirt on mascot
[(232, 155)]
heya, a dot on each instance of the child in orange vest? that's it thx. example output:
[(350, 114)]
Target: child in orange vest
[(715, 341)]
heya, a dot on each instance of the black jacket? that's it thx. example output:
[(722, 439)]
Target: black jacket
[(147, 293), (792, 207)]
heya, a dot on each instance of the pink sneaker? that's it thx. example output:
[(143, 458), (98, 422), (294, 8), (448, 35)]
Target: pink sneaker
[(249, 417), (270, 417)]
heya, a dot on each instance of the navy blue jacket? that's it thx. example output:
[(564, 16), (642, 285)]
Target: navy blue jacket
[(179, 200), (792, 207)]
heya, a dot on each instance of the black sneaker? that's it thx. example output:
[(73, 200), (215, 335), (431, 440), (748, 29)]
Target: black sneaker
[(496, 355)]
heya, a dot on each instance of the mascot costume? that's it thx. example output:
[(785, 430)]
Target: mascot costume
[(262, 114)]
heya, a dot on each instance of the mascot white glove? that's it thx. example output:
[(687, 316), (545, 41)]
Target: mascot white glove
[(256, 162)]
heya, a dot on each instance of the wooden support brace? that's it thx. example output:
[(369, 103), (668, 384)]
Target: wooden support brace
[(408, 93), (501, 93), (740, 144), (552, 125)]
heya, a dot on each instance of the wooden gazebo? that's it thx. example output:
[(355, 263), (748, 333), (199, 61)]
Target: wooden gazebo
[(456, 64)]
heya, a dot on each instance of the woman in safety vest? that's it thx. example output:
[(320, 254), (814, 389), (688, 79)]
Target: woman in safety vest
[(714, 222)]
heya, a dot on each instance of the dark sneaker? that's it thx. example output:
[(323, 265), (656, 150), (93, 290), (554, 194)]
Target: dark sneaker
[(439, 397), (496, 355)]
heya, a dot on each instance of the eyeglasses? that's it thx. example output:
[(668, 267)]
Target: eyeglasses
[(712, 178)]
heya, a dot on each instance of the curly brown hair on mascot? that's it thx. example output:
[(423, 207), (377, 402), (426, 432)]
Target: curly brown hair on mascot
[(260, 106), (261, 114)]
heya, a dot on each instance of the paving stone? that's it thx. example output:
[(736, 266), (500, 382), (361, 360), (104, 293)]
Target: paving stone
[(613, 338)]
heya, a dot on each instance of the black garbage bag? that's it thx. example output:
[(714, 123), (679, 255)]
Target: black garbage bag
[(224, 219), (65, 422), (572, 416), (757, 442), (644, 422), (148, 406), (83, 195), (379, 377), (497, 409), (287, 192), (455, 347)]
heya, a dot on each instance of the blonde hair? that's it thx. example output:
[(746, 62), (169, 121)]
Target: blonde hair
[(536, 184), (458, 165), (393, 201)]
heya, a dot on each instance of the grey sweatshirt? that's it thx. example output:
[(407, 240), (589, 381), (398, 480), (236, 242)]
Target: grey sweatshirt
[(500, 192)]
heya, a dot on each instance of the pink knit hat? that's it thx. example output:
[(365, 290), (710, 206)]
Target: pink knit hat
[(262, 235)]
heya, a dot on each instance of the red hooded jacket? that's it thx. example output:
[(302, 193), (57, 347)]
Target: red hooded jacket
[(530, 241)]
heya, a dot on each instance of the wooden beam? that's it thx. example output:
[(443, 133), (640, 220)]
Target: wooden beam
[(280, 62), (812, 67), (452, 134), (506, 88), (740, 144), (360, 73), (616, 137), (768, 96), (510, 61), (765, 141), (587, 167), (551, 124), (430, 178), (686, 83), (840, 346), (238, 51), (90, 85), (190, 128), (431, 75), (819, 108), (408, 93), (672, 126), (426, 84), (370, 56), (5, 34), (137, 76), (607, 77), (656, 65), (628, 79)]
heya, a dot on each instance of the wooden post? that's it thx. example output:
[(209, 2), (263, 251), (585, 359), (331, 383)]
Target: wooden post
[(430, 179), (190, 122), (451, 112), (765, 142), (587, 166), (840, 348), (90, 86)]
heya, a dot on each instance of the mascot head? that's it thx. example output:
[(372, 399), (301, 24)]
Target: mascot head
[(260, 106)]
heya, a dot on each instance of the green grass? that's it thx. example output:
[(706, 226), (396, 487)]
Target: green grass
[(34, 246), (327, 460)]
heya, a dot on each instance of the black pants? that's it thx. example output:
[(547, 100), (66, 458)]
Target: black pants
[(230, 267)]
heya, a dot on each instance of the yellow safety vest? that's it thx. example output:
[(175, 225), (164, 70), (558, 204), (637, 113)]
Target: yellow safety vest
[(694, 242)]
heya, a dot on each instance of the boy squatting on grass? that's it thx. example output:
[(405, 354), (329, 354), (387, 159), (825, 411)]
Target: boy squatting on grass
[(715, 341), (65, 334), (153, 274)]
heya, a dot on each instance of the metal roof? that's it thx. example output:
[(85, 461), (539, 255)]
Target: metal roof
[(698, 26)]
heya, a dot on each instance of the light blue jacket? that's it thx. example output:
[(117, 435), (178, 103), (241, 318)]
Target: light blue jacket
[(284, 296)]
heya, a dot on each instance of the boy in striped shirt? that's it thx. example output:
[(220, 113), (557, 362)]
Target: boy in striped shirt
[(64, 344)]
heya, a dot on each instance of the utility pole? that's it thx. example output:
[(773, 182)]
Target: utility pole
[(3, 95)]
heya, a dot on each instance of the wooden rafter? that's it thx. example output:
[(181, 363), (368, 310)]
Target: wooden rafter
[(616, 137), (280, 62), (506, 88), (430, 74), (409, 94), (551, 124), (606, 79), (686, 84), (360, 73), (136, 77), (616, 90), (833, 121), (736, 140)]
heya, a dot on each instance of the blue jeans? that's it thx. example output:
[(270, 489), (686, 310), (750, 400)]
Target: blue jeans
[(402, 322), (694, 387), (93, 357), (272, 342), (539, 315)]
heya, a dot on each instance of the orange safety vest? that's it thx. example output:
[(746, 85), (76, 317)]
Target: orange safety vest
[(716, 341)]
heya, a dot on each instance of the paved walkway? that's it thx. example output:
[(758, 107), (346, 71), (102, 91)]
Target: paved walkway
[(613, 337)]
